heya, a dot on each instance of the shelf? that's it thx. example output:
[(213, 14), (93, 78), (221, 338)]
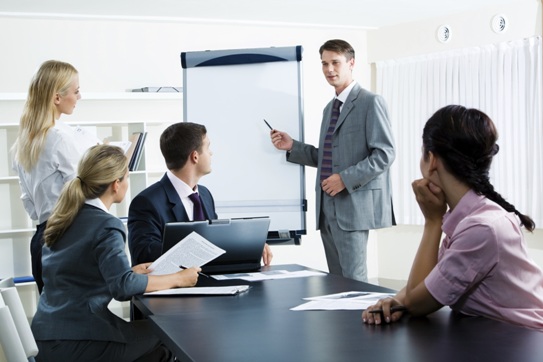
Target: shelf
[(17, 231), (113, 115), (108, 123), (16, 178), (114, 96)]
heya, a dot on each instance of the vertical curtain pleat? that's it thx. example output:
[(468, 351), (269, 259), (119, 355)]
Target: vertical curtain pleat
[(504, 81)]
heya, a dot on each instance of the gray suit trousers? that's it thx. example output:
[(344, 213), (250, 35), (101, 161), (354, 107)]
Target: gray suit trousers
[(345, 250)]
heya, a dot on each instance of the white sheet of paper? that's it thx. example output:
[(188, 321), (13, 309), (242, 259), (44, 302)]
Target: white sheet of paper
[(354, 300), (227, 290), (125, 145), (267, 275), (193, 250)]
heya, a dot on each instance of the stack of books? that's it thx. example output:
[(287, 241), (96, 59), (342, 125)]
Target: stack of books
[(134, 152), (133, 149)]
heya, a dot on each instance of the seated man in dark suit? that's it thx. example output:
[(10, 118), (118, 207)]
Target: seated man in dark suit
[(185, 147)]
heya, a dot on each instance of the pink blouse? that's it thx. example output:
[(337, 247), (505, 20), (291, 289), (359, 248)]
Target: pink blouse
[(483, 268)]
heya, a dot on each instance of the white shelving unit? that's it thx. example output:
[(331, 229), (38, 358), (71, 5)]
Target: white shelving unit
[(112, 116)]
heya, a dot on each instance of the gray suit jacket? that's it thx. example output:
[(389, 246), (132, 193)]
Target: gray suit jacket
[(83, 271), (363, 153)]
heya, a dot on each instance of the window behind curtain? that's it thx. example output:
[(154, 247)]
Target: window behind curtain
[(504, 81)]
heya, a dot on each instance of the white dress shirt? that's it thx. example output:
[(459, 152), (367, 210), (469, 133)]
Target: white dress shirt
[(97, 203), (57, 164), (343, 95), (183, 190)]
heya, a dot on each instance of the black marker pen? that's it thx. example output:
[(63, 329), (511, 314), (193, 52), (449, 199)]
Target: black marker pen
[(271, 128), (199, 273)]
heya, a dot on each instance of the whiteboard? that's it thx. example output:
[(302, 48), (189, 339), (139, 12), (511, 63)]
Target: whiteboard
[(231, 92)]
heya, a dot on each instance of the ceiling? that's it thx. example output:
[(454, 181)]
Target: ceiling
[(342, 13)]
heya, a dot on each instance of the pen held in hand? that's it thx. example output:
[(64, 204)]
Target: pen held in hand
[(199, 273), (271, 128), (396, 308)]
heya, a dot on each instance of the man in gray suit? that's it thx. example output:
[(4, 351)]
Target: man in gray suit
[(355, 152)]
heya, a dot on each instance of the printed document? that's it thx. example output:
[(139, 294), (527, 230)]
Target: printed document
[(354, 300), (193, 250), (267, 275)]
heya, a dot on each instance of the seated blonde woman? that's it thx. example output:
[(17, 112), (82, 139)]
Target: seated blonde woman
[(85, 266)]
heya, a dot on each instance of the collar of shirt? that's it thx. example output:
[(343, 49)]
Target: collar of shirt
[(451, 219), (343, 95), (62, 125), (97, 203), (183, 190)]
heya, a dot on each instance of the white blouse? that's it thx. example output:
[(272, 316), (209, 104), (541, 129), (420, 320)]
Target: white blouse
[(64, 146)]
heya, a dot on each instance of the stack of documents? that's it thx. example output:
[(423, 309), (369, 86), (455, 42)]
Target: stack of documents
[(267, 275), (158, 89), (228, 290)]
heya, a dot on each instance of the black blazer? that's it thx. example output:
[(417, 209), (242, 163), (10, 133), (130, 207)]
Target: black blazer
[(150, 210)]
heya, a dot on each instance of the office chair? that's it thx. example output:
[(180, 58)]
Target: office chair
[(15, 328), (7, 283)]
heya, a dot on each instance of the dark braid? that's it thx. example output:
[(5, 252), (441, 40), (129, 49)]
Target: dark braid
[(466, 141)]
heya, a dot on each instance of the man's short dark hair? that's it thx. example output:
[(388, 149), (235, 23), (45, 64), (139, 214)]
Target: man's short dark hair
[(179, 140), (338, 46)]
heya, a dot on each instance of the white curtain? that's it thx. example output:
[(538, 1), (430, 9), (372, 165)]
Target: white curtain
[(504, 81)]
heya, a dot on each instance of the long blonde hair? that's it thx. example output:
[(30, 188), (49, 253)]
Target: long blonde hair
[(53, 77), (98, 169)]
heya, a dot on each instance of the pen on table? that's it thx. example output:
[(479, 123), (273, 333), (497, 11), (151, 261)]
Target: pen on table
[(199, 273), (396, 308), (271, 128), (353, 294)]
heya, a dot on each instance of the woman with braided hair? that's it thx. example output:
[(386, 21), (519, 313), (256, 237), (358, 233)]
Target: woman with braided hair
[(482, 267)]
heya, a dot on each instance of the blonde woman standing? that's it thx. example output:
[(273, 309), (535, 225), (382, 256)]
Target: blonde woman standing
[(47, 150), (85, 266)]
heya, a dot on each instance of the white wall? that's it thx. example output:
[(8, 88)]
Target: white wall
[(396, 247), (467, 29), (115, 55)]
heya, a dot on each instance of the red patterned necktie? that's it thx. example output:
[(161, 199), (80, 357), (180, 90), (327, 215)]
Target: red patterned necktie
[(326, 165)]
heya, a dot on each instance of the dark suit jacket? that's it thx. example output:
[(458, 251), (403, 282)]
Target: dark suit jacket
[(363, 153), (83, 271), (150, 210)]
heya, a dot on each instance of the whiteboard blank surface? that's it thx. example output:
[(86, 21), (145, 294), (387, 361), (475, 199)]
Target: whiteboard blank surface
[(249, 176)]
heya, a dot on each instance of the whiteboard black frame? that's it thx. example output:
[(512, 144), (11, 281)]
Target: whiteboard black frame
[(198, 105)]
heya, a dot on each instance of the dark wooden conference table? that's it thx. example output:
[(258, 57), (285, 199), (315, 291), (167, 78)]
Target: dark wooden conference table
[(258, 325)]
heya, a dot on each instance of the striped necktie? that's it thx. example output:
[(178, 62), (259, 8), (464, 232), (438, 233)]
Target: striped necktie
[(198, 210), (326, 165)]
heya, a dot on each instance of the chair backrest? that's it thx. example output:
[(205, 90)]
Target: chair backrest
[(7, 283), (9, 338), (12, 300)]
